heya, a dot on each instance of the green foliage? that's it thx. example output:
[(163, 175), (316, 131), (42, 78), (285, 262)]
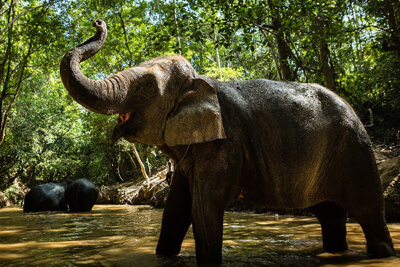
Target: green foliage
[(49, 137), (12, 194), (225, 73)]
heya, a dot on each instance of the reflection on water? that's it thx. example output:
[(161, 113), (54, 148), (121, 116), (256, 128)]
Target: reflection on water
[(112, 235)]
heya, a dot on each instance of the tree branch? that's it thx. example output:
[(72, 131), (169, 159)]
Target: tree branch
[(126, 38), (24, 12), (21, 78), (2, 97)]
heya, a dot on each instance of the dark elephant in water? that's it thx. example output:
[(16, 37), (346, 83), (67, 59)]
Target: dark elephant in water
[(281, 144), (46, 197), (81, 195)]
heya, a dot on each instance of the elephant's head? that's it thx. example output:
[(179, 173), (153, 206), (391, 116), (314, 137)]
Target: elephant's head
[(161, 101)]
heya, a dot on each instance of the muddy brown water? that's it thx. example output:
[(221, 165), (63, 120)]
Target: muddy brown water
[(114, 235)]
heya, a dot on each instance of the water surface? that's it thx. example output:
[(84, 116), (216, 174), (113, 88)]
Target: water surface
[(123, 235)]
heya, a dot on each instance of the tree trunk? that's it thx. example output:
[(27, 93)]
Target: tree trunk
[(324, 61), (283, 49), (4, 81), (143, 168), (283, 59), (4, 114), (272, 49), (394, 28), (217, 55), (178, 38)]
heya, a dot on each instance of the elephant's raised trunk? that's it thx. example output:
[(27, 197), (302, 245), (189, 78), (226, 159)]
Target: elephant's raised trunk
[(106, 96)]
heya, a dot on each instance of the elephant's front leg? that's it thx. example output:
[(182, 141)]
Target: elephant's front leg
[(176, 217), (210, 192), (207, 216)]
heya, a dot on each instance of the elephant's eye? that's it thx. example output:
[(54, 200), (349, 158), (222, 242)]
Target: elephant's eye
[(145, 85), (146, 90), (148, 84)]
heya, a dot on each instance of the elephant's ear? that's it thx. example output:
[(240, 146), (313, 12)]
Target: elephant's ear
[(196, 117)]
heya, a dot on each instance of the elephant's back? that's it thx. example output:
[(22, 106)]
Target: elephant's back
[(81, 195), (286, 113), (297, 140), (44, 197)]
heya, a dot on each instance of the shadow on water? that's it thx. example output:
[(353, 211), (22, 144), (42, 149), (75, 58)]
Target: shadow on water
[(112, 235)]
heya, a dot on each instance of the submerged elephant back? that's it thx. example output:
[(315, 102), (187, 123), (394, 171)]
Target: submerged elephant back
[(81, 195), (46, 197)]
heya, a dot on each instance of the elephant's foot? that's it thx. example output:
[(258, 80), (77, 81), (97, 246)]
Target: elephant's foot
[(335, 246), (209, 258), (382, 250), (167, 250)]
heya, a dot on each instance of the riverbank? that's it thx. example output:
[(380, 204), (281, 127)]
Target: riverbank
[(389, 169), (153, 191)]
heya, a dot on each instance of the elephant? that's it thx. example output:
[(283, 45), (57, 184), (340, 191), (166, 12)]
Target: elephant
[(279, 144), (46, 197), (81, 195)]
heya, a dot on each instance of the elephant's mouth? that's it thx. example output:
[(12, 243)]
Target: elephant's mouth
[(120, 128), (123, 118), (135, 128)]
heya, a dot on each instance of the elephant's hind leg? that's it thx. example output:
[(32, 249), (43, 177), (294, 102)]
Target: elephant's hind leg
[(333, 224), (366, 205), (379, 242)]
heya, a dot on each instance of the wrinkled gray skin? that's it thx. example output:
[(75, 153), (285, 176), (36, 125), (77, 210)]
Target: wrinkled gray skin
[(285, 145)]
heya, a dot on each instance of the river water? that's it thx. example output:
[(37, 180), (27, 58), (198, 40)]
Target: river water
[(123, 235)]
